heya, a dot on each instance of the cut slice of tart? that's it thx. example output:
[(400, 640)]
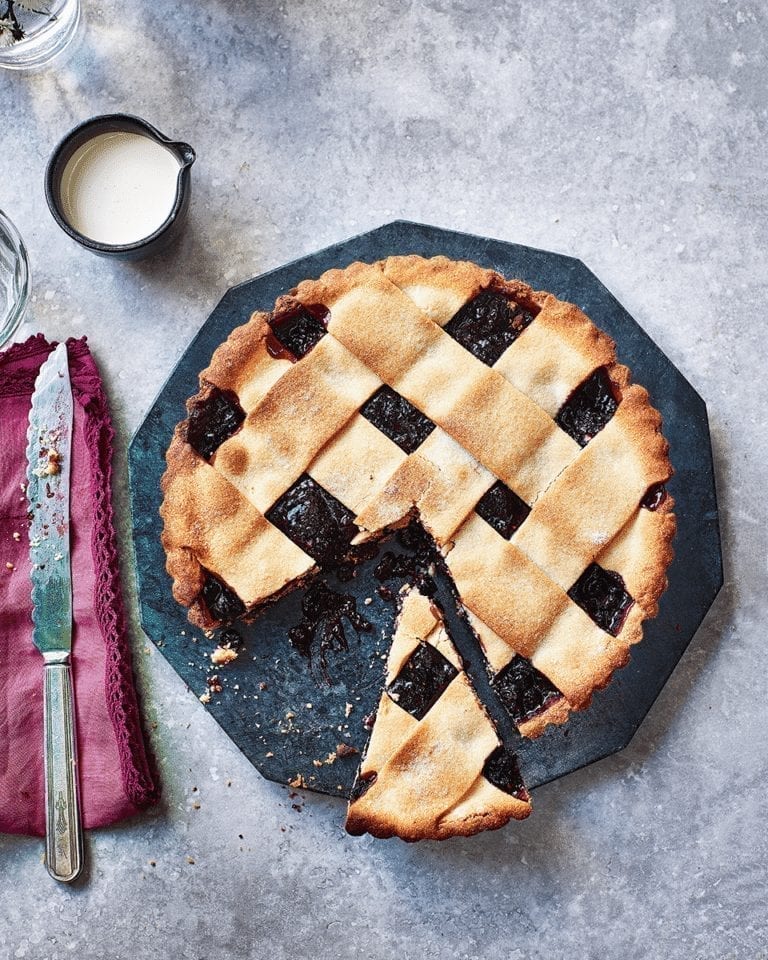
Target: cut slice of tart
[(434, 766)]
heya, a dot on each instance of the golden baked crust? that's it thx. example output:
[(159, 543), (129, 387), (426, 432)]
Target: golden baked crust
[(391, 325)]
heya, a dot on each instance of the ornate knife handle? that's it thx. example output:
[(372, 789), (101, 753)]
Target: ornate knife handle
[(63, 833)]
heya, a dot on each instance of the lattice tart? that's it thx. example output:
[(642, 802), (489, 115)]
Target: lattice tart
[(497, 418)]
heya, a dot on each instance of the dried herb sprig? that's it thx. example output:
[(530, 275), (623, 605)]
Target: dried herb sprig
[(11, 27)]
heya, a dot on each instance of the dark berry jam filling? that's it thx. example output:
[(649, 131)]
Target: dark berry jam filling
[(589, 408), (315, 520), (230, 638), (524, 690), (502, 509), (214, 420), (362, 784), (397, 419), (369, 719), (421, 680), (345, 572), (324, 612), (503, 771), (655, 496), (488, 324), (294, 332), (414, 568), (602, 594), (414, 537), (222, 602)]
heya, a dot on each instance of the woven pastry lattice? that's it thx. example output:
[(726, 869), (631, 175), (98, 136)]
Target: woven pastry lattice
[(496, 414)]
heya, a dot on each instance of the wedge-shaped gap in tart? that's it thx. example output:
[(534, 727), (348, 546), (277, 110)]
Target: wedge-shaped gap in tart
[(530, 698)]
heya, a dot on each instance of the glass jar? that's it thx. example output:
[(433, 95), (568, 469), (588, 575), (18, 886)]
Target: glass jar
[(14, 278), (47, 25)]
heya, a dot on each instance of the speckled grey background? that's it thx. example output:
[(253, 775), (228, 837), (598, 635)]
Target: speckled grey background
[(629, 134)]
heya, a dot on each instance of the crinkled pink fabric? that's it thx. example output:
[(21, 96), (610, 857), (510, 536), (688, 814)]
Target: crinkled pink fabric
[(116, 779)]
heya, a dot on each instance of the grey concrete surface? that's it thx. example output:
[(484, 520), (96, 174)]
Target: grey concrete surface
[(629, 134)]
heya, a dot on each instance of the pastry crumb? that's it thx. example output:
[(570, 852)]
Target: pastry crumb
[(348, 709), (223, 655), (346, 750), (16, 536), (298, 781), (205, 697)]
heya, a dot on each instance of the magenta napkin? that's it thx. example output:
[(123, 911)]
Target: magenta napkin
[(116, 779)]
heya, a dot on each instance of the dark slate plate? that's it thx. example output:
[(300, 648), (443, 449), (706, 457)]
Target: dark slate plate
[(281, 714)]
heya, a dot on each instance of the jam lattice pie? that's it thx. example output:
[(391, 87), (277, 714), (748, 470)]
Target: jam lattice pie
[(498, 418)]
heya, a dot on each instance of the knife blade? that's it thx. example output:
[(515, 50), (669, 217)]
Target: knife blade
[(49, 449)]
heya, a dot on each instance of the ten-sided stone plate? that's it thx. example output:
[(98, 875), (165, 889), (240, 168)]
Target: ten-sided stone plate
[(283, 716)]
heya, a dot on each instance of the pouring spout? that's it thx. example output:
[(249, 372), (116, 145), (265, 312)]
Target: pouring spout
[(186, 153)]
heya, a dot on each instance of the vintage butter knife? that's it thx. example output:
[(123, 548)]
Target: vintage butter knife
[(49, 443)]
